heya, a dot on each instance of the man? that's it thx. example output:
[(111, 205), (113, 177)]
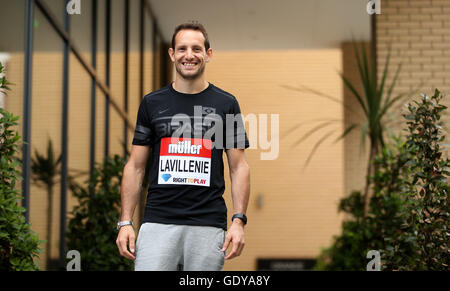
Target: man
[(186, 124)]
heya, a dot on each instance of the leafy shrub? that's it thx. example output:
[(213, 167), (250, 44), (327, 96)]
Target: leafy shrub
[(425, 230), (19, 246), (92, 228), (387, 210), (408, 219)]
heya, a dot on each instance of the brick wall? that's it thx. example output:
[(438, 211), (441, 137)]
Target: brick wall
[(419, 31)]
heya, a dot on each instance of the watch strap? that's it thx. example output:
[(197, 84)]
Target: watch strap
[(241, 216), (123, 223)]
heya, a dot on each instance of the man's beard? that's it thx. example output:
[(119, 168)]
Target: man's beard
[(190, 77)]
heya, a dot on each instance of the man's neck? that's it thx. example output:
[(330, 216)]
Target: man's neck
[(190, 86)]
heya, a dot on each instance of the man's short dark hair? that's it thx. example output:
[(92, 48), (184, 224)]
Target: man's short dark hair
[(193, 25)]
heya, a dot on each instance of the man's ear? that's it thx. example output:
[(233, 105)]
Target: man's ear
[(171, 54), (209, 53)]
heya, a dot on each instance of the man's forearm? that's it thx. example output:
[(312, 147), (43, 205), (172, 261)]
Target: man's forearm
[(130, 190), (240, 188)]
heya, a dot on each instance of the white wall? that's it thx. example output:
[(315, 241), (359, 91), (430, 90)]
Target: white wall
[(269, 24), (231, 24)]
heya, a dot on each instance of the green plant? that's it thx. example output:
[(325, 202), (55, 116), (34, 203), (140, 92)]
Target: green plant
[(91, 229), (389, 208), (348, 250), (408, 216), (19, 246), (426, 227), (375, 102), (4, 84), (387, 212)]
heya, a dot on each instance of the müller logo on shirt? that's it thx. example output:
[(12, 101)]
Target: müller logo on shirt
[(185, 161), (184, 147)]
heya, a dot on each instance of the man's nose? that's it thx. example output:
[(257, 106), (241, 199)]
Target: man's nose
[(189, 53)]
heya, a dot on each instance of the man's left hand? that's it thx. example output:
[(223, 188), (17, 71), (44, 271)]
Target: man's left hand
[(235, 236)]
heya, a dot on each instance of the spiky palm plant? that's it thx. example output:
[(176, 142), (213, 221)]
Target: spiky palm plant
[(375, 102)]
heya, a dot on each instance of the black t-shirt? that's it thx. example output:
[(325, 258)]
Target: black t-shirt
[(187, 134)]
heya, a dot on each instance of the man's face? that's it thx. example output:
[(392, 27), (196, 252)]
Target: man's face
[(189, 55)]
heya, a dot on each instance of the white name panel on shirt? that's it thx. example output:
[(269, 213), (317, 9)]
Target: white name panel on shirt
[(185, 161)]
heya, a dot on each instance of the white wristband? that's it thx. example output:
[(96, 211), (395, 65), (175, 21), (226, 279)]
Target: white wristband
[(123, 223)]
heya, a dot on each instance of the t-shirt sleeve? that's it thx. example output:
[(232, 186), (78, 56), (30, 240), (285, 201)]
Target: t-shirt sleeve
[(142, 133), (235, 134)]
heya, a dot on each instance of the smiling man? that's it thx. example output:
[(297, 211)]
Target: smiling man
[(185, 126)]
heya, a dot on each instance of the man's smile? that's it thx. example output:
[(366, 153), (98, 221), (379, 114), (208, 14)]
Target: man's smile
[(189, 65)]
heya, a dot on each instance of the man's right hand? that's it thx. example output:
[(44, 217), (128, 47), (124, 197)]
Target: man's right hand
[(125, 238)]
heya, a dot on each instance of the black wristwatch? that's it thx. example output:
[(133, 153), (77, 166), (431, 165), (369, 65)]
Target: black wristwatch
[(241, 216)]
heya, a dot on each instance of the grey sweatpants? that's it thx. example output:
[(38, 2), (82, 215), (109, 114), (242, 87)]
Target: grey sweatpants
[(170, 247)]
